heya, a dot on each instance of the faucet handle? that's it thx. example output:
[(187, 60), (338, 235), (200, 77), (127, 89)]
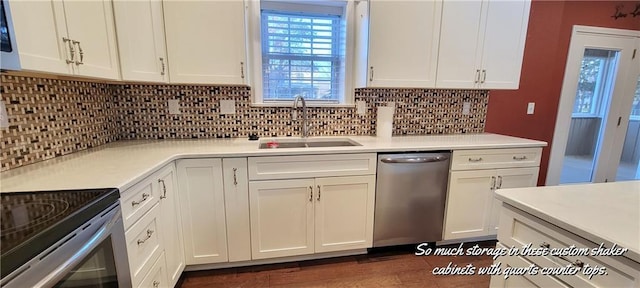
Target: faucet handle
[(294, 115)]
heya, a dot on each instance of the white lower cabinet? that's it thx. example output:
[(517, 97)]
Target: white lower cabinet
[(472, 210), (171, 226), (311, 215), (281, 218), (153, 233), (202, 210), (214, 202)]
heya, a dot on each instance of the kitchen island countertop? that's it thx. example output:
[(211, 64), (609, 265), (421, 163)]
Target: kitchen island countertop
[(601, 213)]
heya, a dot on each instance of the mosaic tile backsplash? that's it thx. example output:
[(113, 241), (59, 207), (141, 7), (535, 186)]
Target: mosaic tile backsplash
[(50, 118)]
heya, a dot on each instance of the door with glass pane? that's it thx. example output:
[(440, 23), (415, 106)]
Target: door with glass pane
[(629, 166), (594, 108)]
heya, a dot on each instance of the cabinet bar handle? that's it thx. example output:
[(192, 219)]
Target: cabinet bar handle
[(576, 263), (71, 50), (242, 70), (484, 76), (499, 182), (310, 193), (80, 52), (144, 197), (371, 74), (319, 192), (475, 159), (477, 76), (149, 233), (519, 158), (235, 177), (164, 189), (493, 182), (163, 66)]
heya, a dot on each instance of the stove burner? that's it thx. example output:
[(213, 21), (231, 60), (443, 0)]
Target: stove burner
[(31, 214)]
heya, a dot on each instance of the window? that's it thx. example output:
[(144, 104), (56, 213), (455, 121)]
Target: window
[(597, 70), (635, 107), (302, 52)]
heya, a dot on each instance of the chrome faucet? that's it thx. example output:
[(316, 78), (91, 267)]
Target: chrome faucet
[(305, 126)]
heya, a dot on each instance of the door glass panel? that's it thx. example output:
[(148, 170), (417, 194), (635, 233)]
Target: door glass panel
[(98, 269), (591, 105), (629, 167)]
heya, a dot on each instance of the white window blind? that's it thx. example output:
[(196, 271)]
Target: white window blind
[(302, 54)]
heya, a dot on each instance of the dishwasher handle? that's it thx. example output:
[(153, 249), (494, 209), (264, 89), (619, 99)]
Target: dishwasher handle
[(415, 160)]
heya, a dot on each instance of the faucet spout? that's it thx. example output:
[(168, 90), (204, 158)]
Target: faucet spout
[(304, 125)]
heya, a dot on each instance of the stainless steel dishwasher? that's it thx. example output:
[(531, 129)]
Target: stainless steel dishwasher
[(410, 197)]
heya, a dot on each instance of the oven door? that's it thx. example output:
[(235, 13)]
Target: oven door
[(94, 255)]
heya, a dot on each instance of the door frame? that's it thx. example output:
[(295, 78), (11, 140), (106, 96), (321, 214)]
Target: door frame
[(567, 98)]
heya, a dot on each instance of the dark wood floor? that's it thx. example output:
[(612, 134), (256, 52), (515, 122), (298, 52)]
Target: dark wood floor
[(397, 268)]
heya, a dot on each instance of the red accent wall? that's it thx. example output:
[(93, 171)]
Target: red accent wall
[(545, 56)]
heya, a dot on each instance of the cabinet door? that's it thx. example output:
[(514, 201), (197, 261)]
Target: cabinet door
[(40, 43), (205, 41), (281, 218), (170, 222), (459, 53), (468, 203), (403, 43), (504, 38), (236, 200), (510, 178), (344, 213), (140, 29), (90, 24), (202, 211)]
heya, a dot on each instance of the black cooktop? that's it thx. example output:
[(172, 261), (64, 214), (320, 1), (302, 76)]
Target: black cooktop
[(34, 221)]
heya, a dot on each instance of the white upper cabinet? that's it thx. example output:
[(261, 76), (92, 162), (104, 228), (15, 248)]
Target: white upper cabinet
[(141, 42), (482, 44), (40, 43), (206, 41), (69, 37), (403, 43)]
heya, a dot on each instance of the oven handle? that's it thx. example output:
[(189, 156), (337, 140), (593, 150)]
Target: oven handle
[(63, 270)]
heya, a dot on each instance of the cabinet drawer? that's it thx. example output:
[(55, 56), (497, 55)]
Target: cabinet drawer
[(137, 200), (143, 244), (157, 276), (495, 158), (288, 167), (518, 229)]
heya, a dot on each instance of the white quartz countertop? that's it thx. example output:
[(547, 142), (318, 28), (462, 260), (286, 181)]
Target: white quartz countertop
[(121, 164), (601, 213)]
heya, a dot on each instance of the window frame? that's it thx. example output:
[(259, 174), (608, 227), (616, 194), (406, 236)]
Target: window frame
[(254, 40)]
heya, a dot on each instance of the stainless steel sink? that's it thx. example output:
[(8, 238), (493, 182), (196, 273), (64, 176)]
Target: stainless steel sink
[(306, 143)]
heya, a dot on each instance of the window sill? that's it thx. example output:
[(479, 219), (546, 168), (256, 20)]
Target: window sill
[(308, 105)]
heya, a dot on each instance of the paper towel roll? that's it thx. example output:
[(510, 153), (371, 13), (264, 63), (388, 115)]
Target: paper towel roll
[(384, 122)]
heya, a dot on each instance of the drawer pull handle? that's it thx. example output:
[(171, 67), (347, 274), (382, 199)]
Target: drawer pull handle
[(519, 158), (164, 189), (576, 263), (149, 233), (475, 159), (156, 283), (144, 197)]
